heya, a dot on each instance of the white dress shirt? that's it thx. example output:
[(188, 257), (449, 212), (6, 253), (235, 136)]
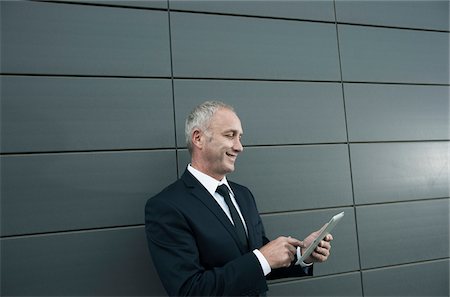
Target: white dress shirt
[(211, 185)]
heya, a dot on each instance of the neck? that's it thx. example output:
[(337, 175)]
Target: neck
[(205, 170)]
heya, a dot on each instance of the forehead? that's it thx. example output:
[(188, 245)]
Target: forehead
[(225, 119)]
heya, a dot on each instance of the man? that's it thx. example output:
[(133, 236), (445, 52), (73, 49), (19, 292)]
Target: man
[(207, 240)]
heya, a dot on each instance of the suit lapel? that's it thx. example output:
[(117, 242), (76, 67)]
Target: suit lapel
[(204, 196)]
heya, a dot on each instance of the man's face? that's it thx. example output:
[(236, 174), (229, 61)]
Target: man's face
[(222, 143)]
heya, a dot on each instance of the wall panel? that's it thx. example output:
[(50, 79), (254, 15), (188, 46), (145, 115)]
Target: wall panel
[(294, 178), (49, 38), (393, 55), (425, 14), (271, 112), (390, 234), (310, 10), (59, 113), (55, 192), (96, 263), (336, 285), (420, 279), (238, 47), (397, 112), (386, 172)]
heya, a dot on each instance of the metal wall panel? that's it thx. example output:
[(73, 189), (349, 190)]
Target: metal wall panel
[(421, 279), (59, 113), (241, 47), (51, 38), (183, 159), (94, 263), (386, 172), (395, 233), (270, 112), (344, 252), (306, 9), (428, 14), (53, 192), (393, 55), (397, 112), (335, 285), (295, 178)]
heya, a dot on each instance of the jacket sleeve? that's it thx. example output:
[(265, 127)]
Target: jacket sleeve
[(176, 258)]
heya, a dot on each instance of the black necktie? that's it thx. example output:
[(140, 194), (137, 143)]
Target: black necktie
[(223, 190)]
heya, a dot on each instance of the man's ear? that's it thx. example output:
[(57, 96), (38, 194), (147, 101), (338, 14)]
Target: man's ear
[(197, 138)]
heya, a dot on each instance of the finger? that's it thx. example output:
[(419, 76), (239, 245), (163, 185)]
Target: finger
[(292, 249), (291, 256), (329, 237), (322, 251), (325, 244), (319, 257), (295, 242)]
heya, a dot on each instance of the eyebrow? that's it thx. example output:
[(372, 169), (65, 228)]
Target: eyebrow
[(234, 131)]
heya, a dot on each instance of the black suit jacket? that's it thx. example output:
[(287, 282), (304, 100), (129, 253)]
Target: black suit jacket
[(194, 246)]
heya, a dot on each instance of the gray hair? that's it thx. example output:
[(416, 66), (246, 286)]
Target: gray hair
[(200, 117)]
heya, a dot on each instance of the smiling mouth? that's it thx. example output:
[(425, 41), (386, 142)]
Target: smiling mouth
[(231, 155)]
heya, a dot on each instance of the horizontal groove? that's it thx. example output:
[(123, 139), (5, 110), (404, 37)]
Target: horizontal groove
[(344, 273), (393, 27), (395, 83), (244, 15), (71, 152), (83, 75), (398, 141), (402, 201), (263, 214), (317, 277), (278, 145), (87, 3), (404, 264), (71, 231), (299, 211), (244, 79), (337, 207)]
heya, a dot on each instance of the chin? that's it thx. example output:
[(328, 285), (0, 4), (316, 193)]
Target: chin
[(230, 169)]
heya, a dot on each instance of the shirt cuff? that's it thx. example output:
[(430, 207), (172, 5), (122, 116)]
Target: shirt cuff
[(299, 256), (263, 262)]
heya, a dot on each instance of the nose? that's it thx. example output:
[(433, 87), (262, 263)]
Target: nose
[(237, 146)]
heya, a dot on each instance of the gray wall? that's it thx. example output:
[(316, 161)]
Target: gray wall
[(345, 106)]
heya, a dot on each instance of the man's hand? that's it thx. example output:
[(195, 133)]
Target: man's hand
[(281, 251), (322, 251)]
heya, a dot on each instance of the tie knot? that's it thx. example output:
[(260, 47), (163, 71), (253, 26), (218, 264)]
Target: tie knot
[(223, 190)]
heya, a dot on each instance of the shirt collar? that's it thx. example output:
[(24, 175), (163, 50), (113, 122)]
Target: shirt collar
[(207, 181)]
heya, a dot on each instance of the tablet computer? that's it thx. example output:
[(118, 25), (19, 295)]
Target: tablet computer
[(334, 220)]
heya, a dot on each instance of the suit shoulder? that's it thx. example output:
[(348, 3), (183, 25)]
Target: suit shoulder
[(171, 191)]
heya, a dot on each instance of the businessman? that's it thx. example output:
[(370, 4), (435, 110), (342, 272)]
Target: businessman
[(204, 232)]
